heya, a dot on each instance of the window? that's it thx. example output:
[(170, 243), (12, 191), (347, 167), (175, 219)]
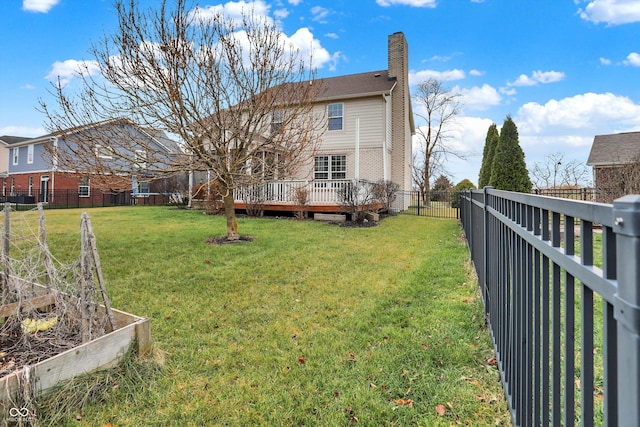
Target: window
[(277, 121), (14, 155), (83, 187), (4, 186), (30, 186), (30, 154), (141, 159), (13, 186), (143, 187), (335, 116), (104, 152), (330, 167)]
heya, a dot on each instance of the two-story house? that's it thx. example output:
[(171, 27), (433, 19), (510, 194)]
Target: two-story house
[(35, 173), (368, 136)]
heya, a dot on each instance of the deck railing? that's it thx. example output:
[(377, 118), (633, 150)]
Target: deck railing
[(562, 301), (318, 192)]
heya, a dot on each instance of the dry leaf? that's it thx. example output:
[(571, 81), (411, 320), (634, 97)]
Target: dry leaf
[(440, 409), (301, 360), (492, 361), (405, 402)]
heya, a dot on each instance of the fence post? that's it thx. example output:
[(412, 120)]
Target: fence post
[(486, 218), (626, 214)]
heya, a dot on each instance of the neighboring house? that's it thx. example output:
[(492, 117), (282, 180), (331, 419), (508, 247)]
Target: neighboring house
[(5, 141), (34, 173), (615, 160), (368, 135)]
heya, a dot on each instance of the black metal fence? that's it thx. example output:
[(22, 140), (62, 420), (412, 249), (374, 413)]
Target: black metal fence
[(562, 302), (436, 204), (61, 199)]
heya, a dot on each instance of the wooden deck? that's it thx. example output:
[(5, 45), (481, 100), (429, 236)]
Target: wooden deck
[(290, 207)]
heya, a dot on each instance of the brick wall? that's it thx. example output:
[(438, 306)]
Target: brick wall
[(398, 57)]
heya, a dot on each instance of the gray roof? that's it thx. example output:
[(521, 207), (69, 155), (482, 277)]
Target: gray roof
[(356, 85), (10, 140), (614, 149)]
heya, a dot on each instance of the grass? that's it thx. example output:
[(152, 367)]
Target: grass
[(309, 324)]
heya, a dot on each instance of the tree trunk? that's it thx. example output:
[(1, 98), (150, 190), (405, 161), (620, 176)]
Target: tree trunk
[(230, 214)]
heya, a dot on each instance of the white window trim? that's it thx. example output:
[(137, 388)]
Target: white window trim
[(83, 186), (103, 151), (330, 172), (30, 150), (341, 116)]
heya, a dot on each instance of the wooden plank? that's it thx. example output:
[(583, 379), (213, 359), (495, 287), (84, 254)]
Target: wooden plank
[(143, 335), (29, 304), (100, 353)]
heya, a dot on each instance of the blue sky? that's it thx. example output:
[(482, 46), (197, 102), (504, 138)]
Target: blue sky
[(565, 70)]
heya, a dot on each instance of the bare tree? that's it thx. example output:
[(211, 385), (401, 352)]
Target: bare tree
[(440, 106), (555, 171), (234, 92)]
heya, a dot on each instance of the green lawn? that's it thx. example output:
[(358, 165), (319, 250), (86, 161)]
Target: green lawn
[(309, 324)]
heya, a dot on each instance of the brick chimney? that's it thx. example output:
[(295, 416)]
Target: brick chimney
[(401, 111)]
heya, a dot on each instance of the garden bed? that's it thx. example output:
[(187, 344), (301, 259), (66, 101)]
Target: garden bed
[(25, 369)]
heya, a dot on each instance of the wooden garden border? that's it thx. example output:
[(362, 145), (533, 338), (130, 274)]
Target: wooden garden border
[(101, 353)]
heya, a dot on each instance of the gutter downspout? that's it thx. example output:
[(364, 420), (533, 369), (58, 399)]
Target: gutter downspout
[(357, 153)]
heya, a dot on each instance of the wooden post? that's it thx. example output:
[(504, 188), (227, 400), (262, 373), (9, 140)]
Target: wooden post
[(5, 253), (48, 264), (85, 280), (96, 262)]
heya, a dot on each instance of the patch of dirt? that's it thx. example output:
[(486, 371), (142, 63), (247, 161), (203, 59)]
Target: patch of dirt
[(224, 240), (353, 224)]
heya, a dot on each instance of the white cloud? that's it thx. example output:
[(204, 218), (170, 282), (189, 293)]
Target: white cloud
[(467, 139), (538, 77), (448, 75), (605, 61), (42, 6), (581, 115), (66, 70), (567, 126), (478, 98), (611, 12), (633, 59), (234, 10), (281, 14), (413, 3), (26, 132), (476, 73), (295, 2), (309, 46), (319, 14), (509, 91), (302, 39)]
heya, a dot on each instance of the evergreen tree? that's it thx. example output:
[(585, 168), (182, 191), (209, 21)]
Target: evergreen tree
[(463, 185), (489, 151), (509, 170), (441, 188)]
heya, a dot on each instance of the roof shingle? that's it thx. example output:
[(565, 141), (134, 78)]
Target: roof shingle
[(614, 149)]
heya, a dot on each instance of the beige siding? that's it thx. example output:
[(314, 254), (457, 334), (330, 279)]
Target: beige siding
[(371, 115)]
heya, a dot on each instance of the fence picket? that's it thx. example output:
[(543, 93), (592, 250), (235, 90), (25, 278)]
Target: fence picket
[(540, 288)]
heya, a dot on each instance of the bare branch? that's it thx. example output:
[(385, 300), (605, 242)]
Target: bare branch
[(236, 95)]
